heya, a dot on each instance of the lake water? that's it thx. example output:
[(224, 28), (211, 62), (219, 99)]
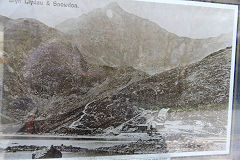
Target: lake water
[(89, 144), (28, 155)]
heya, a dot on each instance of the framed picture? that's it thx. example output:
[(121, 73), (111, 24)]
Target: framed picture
[(118, 79)]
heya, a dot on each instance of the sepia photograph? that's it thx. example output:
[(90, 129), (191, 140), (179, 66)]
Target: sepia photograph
[(115, 78)]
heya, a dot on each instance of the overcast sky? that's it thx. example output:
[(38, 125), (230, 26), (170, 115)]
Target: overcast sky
[(183, 20)]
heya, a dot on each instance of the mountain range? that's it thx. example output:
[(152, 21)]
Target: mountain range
[(113, 37), (100, 70)]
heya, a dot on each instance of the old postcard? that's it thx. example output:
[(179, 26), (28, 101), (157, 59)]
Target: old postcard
[(116, 78)]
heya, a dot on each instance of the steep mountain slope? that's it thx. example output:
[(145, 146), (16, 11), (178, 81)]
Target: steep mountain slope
[(205, 82), (46, 73), (111, 36), (20, 37), (55, 77), (102, 83)]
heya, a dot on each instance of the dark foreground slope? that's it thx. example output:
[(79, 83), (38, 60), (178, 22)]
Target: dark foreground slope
[(203, 83), (21, 36)]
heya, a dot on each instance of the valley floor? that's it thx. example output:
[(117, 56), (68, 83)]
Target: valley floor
[(191, 131)]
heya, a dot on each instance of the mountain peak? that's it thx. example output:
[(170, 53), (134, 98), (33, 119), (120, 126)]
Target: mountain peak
[(114, 6)]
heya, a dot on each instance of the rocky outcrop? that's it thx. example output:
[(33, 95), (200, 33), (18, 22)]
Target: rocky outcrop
[(139, 147), (103, 113), (55, 68), (47, 153)]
